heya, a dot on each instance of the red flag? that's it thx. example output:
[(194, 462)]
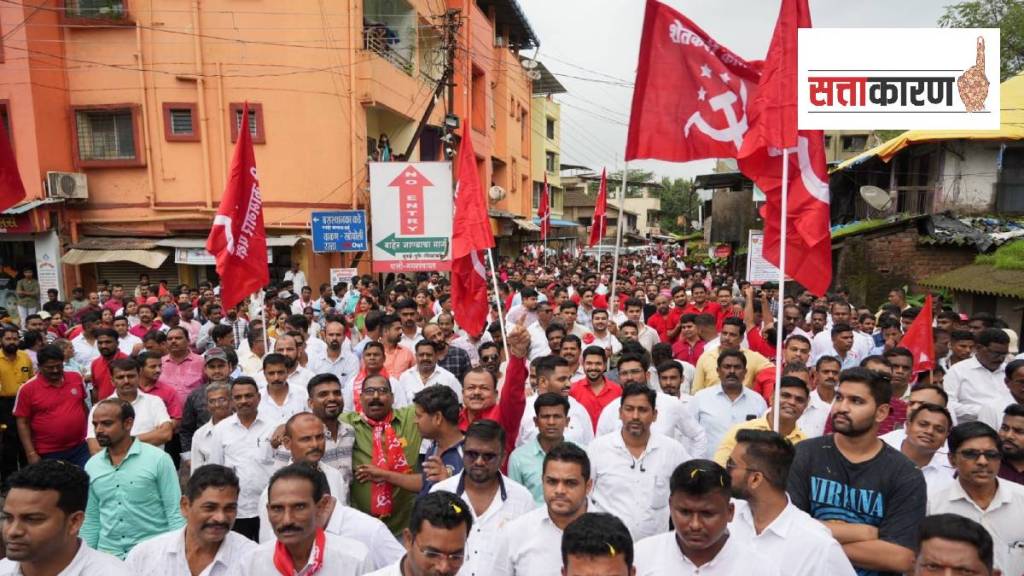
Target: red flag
[(12, 190), (599, 226), (238, 238), (544, 211), (471, 233), (691, 93), (919, 339), (773, 126)]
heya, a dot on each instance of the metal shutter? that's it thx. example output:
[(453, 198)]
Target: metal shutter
[(127, 273)]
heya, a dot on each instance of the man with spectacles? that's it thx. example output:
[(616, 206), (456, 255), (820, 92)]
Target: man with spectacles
[(490, 359), (435, 541), (978, 493), (979, 381), (494, 499)]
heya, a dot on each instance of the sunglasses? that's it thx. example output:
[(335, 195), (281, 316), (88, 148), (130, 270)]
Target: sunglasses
[(489, 358), (972, 454), (473, 456)]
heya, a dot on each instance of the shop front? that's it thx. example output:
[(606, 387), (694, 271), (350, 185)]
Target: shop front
[(27, 242)]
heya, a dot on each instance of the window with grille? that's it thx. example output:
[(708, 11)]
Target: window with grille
[(181, 121), (256, 126), (550, 162), (253, 123), (106, 134), (109, 9)]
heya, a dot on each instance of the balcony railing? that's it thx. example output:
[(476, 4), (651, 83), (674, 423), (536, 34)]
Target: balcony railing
[(381, 40), (96, 9)]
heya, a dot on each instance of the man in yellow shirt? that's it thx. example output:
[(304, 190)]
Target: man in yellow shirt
[(706, 374), (15, 370), (793, 398)]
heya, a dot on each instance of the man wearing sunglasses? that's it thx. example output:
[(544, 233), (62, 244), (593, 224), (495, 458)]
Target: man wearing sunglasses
[(979, 495), (979, 381)]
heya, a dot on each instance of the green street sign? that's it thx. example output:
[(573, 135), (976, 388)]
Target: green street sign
[(416, 245)]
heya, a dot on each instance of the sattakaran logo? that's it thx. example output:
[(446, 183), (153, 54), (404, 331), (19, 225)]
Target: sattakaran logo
[(905, 82)]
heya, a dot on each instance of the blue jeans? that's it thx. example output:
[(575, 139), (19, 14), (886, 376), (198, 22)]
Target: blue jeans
[(78, 455)]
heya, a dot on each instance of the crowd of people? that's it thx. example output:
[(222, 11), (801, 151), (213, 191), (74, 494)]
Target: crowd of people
[(603, 421)]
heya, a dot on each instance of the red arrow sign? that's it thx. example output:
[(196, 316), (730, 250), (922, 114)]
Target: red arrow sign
[(410, 184)]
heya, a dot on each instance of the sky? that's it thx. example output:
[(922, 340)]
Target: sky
[(600, 39)]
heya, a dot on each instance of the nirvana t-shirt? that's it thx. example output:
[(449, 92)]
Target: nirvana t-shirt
[(887, 491)]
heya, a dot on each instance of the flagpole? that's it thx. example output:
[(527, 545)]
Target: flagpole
[(782, 287), (497, 298), (618, 239), (263, 316)]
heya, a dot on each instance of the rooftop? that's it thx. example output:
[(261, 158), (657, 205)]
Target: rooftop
[(508, 15)]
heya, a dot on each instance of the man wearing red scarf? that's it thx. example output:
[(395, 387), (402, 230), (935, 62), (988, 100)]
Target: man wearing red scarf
[(298, 503)]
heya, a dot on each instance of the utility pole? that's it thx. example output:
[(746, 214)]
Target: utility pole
[(450, 28)]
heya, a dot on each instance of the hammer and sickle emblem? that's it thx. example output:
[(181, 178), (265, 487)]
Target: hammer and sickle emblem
[(225, 221), (735, 128)]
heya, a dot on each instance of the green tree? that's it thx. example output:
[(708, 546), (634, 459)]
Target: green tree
[(679, 204), (615, 181), (1007, 15)]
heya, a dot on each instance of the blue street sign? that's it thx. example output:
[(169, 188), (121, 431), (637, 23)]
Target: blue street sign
[(339, 231)]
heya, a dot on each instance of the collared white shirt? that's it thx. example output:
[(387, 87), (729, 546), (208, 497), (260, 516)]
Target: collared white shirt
[(200, 453), (674, 420), (531, 546), (510, 501), (463, 342), (410, 382), (410, 341), (821, 345), (717, 413), (1002, 519), (150, 413), (648, 337), (296, 401), (797, 544), (335, 485), (126, 344), (938, 473), (384, 548), (165, 555), (608, 341), (299, 305), (660, 556), (580, 430), (345, 366), (538, 341), (87, 562), (815, 416), (85, 353), (342, 557), (634, 489), (971, 386), (248, 452), (392, 570)]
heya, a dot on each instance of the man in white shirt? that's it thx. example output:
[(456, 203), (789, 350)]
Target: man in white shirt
[(646, 335), (602, 336), (298, 376), (280, 399), (526, 312), (538, 330), (297, 504), (411, 333), (242, 442), (218, 404), (425, 373), (305, 300), (435, 541), (797, 544), (553, 375), (335, 359), (980, 380), (701, 542), (822, 343), (727, 403), (127, 342), (43, 512), (819, 404), (305, 440), (86, 349), (494, 500), (206, 545), (928, 426), (980, 495), (631, 469), (531, 545), (152, 423), (296, 277)]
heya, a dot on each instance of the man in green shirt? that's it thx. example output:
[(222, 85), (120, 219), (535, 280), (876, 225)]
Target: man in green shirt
[(27, 291), (384, 456), (133, 488)]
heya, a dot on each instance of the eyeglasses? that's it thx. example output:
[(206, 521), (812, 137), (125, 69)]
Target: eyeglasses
[(376, 391), (473, 456), (972, 454), (437, 555), (488, 358)]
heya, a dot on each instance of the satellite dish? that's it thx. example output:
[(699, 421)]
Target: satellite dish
[(528, 63), (876, 197), (533, 74), (496, 193)]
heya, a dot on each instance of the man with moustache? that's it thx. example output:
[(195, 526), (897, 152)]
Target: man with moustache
[(206, 545), (1011, 444), (280, 399), (530, 544), (338, 361), (15, 370), (435, 541), (43, 513), (819, 403), (327, 403), (218, 406), (297, 501), (922, 441), (553, 375), (526, 464), (792, 401), (133, 487), (728, 402), (106, 343), (980, 495), (865, 492), (151, 423), (296, 375)]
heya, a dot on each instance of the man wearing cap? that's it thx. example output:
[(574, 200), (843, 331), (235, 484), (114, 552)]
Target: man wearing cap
[(216, 369)]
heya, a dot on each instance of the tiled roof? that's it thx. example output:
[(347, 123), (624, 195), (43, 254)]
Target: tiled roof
[(980, 279)]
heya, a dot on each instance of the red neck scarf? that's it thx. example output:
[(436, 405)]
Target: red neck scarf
[(357, 385), (387, 454), (286, 566)]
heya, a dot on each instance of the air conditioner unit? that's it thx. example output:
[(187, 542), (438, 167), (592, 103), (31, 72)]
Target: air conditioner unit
[(67, 185)]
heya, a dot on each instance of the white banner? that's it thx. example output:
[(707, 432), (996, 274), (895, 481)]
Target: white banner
[(343, 275), (200, 257), (411, 207), (759, 270)]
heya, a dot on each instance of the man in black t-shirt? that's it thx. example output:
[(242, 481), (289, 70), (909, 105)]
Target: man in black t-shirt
[(868, 494)]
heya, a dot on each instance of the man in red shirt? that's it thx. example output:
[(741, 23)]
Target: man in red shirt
[(51, 413), (102, 381), (661, 320), (595, 391), (701, 304), (150, 383), (690, 345), (146, 322)]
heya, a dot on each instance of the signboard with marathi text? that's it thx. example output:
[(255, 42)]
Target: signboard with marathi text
[(339, 231), (343, 275), (200, 257), (411, 206), (759, 270)]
